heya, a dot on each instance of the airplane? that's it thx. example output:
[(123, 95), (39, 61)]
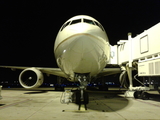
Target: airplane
[(82, 51)]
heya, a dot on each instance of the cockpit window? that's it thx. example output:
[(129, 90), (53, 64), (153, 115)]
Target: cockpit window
[(88, 21), (65, 24), (99, 25), (75, 21)]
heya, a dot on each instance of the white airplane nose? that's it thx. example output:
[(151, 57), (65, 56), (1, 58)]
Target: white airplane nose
[(82, 51), (82, 44)]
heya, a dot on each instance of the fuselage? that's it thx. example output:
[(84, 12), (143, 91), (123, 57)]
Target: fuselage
[(82, 46)]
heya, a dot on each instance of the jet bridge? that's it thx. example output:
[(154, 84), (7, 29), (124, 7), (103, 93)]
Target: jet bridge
[(0, 92), (141, 53)]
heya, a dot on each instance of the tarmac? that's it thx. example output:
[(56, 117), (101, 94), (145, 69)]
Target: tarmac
[(44, 104)]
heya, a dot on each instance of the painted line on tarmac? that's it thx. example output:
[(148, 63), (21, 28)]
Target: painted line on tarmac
[(10, 105), (147, 103)]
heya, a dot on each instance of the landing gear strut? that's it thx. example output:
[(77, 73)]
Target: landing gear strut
[(82, 95), (82, 98), (59, 86)]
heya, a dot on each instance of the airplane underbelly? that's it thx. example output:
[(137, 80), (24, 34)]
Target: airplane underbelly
[(82, 54)]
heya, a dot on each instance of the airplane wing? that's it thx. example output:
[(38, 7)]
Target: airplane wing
[(58, 72), (109, 71), (52, 71)]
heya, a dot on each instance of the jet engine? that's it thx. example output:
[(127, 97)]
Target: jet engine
[(31, 78), (123, 79)]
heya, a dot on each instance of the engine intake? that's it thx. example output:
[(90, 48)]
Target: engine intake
[(31, 78)]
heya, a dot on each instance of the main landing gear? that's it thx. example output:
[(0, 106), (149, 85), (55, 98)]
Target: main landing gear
[(59, 86)]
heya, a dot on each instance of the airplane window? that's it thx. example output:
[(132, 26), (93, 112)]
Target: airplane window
[(88, 21), (64, 25), (75, 21), (99, 25)]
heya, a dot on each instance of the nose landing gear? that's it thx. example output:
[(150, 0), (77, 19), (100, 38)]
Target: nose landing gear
[(82, 98), (82, 95)]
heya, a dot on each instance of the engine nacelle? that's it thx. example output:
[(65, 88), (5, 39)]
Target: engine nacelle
[(31, 78)]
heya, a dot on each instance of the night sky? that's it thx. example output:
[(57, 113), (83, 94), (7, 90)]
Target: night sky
[(29, 29)]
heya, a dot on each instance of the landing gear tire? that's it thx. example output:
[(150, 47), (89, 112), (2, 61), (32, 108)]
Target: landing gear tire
[(137, 94), (85, 98), (78, 97)]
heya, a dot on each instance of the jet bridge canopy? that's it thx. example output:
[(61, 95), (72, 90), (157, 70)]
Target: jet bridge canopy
[(144, 49)]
